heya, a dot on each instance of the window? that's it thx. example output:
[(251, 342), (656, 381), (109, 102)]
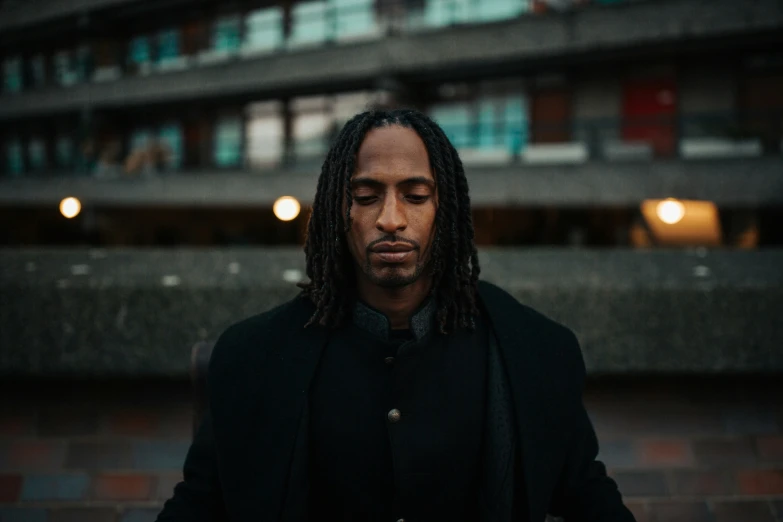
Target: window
[(311, 23), (170, 138), (264, 135), (439, 13), (64, 69), (491, 117), (354, 19), (36, 154), (168, 45), (492, 10), (12, 74), (64, 152), (140, 55), (38, 70), (15, 165), (455, 120), (228, 142), (264, 29), (226, 34), (312, 126)]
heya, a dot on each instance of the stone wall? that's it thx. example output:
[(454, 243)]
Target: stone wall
[(84, 313)]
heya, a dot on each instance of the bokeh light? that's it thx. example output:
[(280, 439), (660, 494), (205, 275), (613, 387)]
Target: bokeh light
[(286, 208)]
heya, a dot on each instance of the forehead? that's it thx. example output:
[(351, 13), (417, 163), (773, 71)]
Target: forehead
[(392, 151)]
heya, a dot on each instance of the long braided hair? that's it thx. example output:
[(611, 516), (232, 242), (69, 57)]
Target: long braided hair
[(454, 265)]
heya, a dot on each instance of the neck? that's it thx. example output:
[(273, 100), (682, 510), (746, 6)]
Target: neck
[(398, 304)]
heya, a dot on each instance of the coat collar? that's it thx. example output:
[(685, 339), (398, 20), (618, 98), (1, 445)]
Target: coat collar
[(371, 320)]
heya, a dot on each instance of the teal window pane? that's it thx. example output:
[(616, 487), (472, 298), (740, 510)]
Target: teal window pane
[(65, 69), (355, 18), (225, 36), (311, 23), (38, 70), (492, 10), (15, 164), (36, 153), (170, 137), (12, 74), (454, 119), (264, 29), (439, 13), (64, 152), (140, 139), (228, 143), (139, 50), (488, 128), (168, 45), (516, 123)]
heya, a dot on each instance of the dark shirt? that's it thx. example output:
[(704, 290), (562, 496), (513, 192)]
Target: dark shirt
[(368, 464)]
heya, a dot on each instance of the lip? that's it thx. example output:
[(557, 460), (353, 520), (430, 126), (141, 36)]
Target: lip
[(391, 247), (393, 257), (392, 252)]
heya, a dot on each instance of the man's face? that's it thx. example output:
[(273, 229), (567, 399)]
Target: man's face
[(394, 206)]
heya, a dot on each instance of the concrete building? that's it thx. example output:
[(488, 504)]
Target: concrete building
[(639, 142)]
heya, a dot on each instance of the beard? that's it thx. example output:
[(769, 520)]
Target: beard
[(393, 276)]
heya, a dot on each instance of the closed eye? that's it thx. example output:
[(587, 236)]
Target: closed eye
[(417, 198), (364, 200)]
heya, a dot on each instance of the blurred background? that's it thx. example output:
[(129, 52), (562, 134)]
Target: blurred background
[(625, 160)]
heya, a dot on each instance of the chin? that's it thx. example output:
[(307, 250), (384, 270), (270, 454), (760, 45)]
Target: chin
[(393, 278)]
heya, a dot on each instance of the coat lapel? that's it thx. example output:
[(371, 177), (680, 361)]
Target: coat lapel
[(269, 410), (509, 330)]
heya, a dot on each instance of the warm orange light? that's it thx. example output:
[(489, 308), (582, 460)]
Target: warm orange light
[(670, 211), (286, 208), (70, 207)]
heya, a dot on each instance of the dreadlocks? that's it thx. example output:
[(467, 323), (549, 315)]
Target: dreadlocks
[(454, 263)]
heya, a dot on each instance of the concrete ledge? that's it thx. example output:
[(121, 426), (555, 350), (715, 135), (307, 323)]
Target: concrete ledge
[(136, 313), (739, 182), (507, 45)]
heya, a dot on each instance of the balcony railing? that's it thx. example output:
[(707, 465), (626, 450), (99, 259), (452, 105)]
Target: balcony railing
[(315, 23), (495, 143)]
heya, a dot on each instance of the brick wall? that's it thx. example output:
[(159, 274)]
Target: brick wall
[(681, 449)]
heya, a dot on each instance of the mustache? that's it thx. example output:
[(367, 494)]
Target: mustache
[(393, 239)]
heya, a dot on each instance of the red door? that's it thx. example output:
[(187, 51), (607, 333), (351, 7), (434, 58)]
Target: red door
[(649, 113), (550, 115)]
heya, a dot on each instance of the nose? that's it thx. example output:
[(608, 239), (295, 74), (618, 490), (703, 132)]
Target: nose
[(391, 218)]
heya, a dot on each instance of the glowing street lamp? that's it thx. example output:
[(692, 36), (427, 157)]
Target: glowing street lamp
[(670, 211), (286, 208), (70, 207)]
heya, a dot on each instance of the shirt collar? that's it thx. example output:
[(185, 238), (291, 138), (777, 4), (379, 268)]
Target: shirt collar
[(375, 322)]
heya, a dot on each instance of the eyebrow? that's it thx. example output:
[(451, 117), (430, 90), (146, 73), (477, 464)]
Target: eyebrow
[(416, 180)]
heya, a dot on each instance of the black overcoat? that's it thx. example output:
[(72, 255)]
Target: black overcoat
[(241, 464)]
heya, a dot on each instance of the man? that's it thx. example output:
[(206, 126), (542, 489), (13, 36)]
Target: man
[(396, 386)]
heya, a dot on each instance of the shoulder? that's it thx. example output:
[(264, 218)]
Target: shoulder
[(253, 337), (520, 327)]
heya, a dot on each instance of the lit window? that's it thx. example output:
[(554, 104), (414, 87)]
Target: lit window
[(12, 74), (264, 29), (311, 24), (225, 34), (168, 45), (64, 152), (170, 137), (38, 70), (264, 135), (683, 222), (355, 19), (228, 142), (15, 164), (36, 153)]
